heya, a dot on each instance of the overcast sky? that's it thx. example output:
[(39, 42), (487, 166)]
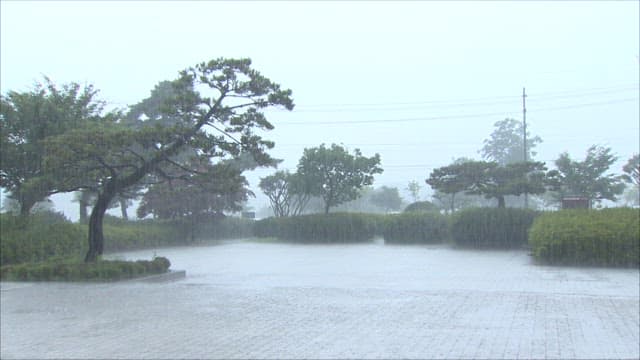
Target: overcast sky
[(421, 83)]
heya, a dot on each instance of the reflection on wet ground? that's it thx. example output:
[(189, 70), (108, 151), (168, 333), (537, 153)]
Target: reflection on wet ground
[(244, 299)]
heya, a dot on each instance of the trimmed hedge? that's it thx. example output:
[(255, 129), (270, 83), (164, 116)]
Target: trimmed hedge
[(330, 228), (75, 270), (421, 206), (417, 227), (492, 227), (225, 228), (587, 237), (39, 237)]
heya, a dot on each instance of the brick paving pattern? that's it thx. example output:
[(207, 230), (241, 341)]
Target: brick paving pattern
[(272, 301)]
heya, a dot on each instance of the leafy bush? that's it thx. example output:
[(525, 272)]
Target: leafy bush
[(75, 270), (587, 237), (225, 228), (492, 227), (417, 227), (39, 237), (128, 235), (421, 206), (336, 227)]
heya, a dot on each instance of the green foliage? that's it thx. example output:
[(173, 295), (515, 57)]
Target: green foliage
[(632, 170), (335, 175), (586, 178), (223, 188), (26, 119), (490, 179), (328, 228), (388, 198), (417, 227), (38, 237), (506, 143), (587, 237), (288, 193), (414, 189), (143, 234), (46, 235), (225, 228), (492, 227), (421, 206), (74, 270), (216, 109)]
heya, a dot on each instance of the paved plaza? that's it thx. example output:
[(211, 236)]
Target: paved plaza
[(245, 299)]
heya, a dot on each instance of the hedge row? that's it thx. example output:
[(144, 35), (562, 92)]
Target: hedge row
[(587, 237), (226, 228), (45, 235), (75, 270), (39, 237), (417, 227), (492, 227), (331, 228)]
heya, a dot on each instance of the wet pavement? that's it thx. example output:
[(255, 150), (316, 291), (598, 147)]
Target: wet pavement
[(268, 300)]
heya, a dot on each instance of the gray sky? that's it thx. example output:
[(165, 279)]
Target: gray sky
[(421, 83)]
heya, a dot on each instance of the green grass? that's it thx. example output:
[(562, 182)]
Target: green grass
[(73, 269)]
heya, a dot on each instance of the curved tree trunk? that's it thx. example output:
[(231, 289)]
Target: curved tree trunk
[(96, 235)]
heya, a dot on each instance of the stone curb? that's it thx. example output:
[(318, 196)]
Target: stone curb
[(172, 275)]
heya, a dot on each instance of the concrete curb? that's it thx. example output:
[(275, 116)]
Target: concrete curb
[(172, 275)]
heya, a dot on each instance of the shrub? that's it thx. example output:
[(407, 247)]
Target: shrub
[(336, 227), (225, 228), (417, 227), (74, 270), (492, 227), (587, 237), (421, 206), (39, 237)]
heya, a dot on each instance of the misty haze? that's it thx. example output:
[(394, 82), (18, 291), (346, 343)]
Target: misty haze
[(288, 180)]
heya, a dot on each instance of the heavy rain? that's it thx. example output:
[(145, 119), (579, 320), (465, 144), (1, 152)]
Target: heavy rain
[(330, 180)]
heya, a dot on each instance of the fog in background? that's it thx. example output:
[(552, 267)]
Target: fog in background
[(420, 83)]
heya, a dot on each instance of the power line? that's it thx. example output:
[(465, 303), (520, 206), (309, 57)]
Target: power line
[(451, 117), (467, 101)]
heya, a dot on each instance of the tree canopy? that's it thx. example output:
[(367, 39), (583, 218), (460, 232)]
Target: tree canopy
[(414, 189), (210, 191), (26, 119), (505, 145), (388, 198), (288, 193), (218, 105), (632, 170), (490, 179), (586, 178), (335, 175)]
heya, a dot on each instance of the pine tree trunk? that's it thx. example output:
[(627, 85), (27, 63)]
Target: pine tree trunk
[(501, 203), (96, 235)]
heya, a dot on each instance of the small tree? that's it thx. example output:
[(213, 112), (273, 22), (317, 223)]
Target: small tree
[(505, 146), (335, 175), (490, 179), (414, 190), (288, 193), (586, 178)]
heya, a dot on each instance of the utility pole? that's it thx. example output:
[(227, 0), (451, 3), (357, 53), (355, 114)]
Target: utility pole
[(524, 137)]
